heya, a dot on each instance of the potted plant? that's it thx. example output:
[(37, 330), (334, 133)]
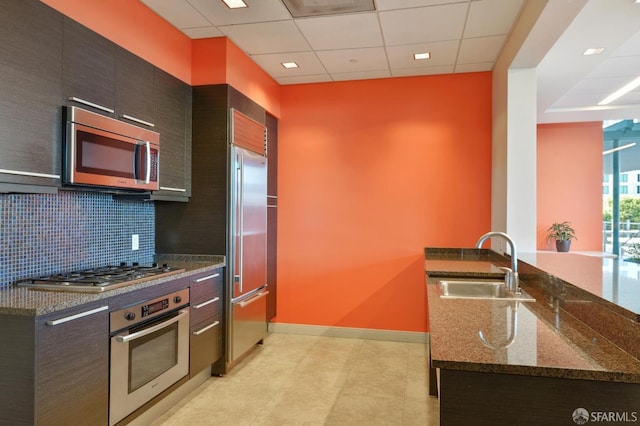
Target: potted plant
[(563, 233)]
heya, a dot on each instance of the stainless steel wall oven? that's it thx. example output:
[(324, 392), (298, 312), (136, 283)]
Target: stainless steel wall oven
[(149, 351)]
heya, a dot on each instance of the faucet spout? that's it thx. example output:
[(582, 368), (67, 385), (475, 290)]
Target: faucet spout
[(511, 279)]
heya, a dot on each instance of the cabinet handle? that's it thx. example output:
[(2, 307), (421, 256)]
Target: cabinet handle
[(208, 302), (209, 327), (91, 104), (76, 316), (208, 277), (168, 188), (137, 120), (34, 174)]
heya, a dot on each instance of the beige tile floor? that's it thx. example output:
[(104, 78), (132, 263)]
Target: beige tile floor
[(312, 380)]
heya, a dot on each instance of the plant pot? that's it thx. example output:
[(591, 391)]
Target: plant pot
[(563, 245)]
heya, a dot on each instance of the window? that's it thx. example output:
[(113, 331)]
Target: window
[(605, 178), (624, 189), (624, 177), (605, 190)]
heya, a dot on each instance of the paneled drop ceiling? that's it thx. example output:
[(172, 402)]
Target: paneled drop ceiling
[(461, 36)]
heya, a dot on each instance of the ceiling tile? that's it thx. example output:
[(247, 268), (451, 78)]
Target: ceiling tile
[(483, 49), (442, 53), (202, 32), (425, 24), (308, 62), (320, 78), (257, 11), (478, 67), (266, 37), (362, 75), (342, 31), (178, 13), (407, 72), (353, 60), (406, 4), (491, 17)]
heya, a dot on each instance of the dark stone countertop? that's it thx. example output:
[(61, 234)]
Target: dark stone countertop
[(556, 336), (26, 301)]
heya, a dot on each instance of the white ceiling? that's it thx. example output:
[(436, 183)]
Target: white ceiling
[(462, 36)]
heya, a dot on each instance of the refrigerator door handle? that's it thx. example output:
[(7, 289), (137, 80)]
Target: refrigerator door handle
[(239, 221), (253, 299)]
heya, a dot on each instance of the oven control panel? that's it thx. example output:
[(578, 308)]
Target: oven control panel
[(143, 311)]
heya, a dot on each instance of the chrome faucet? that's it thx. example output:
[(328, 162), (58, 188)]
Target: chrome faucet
[(511, 280)]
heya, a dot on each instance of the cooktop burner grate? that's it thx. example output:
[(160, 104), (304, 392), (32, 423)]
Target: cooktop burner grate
[(99, 279)]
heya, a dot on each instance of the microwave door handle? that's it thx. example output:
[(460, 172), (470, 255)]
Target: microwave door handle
[(136, 157), (147, 177)]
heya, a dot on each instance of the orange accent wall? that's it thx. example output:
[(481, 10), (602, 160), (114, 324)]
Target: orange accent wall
[(135, 27), (370, 172), (569, 180)]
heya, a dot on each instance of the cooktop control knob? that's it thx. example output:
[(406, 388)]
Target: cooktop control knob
[(177, 299), (129, 316)]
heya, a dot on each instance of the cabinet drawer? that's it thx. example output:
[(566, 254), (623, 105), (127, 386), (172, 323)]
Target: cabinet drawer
[(205, 310), (205, 345), (206, 286)]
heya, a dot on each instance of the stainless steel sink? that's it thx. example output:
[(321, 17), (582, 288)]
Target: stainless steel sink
[(488, 290)]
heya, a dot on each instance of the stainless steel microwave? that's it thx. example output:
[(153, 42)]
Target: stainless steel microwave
[(103, 152)]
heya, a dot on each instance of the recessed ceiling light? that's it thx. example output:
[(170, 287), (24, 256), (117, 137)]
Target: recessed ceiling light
[(620, 92), (423, 55), (235, 4), (289, 65), (593, 51)]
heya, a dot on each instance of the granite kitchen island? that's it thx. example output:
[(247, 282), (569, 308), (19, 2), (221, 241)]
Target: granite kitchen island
[(540, 361)]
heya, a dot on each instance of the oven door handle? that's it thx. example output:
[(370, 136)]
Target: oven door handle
[(147, 331)]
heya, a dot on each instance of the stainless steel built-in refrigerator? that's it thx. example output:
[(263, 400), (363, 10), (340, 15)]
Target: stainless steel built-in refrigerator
[(247, 240)]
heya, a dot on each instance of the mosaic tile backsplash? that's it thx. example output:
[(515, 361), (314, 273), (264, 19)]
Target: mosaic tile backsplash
[(42, 234)]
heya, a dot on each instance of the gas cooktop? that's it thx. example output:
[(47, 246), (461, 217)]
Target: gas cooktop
[(96, 280)]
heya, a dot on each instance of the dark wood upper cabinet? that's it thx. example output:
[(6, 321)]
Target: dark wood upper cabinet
[(134, 89), (173, 117), (89, 68), (30, 104)]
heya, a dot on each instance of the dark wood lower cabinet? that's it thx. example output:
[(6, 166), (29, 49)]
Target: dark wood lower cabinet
[(473, 398), (207, 319), (205, 345), (54, 370)]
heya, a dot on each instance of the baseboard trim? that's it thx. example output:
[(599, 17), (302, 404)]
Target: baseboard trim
[(350, 333)]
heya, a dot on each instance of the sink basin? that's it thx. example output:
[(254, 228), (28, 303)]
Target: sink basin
[(488, 290)]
